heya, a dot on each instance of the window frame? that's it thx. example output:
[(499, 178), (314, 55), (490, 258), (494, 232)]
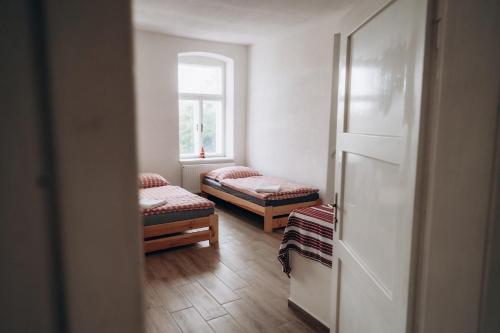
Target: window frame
[(205, 61)]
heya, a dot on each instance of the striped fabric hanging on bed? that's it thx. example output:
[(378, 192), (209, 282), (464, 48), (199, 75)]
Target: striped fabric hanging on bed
[(309, 233)]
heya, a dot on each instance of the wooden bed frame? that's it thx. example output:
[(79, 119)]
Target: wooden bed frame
[(270, 213), (181, 237)]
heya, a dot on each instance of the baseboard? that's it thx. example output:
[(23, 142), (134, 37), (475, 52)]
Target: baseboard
[(308, 318)]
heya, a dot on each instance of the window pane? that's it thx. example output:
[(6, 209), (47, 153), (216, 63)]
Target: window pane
[(197, 79), (212, 127), (188, 118)]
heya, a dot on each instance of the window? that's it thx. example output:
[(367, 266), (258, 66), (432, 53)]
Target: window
[(202, 106)]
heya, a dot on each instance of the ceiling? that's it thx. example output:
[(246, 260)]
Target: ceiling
[(233, 21)]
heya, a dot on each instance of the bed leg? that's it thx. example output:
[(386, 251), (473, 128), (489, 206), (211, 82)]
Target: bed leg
[(214, 229), (268, 219)]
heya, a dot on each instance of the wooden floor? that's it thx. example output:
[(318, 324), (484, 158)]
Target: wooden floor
[(237, 287)]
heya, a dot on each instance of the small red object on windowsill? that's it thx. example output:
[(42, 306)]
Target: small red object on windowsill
[(202, 152)]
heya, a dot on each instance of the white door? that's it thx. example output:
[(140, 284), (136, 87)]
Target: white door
[(381, 71)]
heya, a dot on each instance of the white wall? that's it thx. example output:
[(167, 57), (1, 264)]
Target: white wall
[(310, 287), (289, 131), (288, 118), (156, 98)]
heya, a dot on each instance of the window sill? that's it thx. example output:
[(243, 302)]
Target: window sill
[(208, 160)]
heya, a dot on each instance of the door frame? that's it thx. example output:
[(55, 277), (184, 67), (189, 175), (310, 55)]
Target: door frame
[(451, 256)]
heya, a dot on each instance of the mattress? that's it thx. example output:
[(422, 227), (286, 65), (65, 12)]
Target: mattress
[(177, 216), (181, 205), (259, 201)]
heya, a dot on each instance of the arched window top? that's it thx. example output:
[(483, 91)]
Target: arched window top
[(188, 57)]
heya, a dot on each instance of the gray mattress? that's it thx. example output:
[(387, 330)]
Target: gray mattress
[(177, 216), (215, 184)]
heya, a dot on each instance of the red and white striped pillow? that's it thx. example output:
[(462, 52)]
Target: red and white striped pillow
[(232, 172), (147, 180)]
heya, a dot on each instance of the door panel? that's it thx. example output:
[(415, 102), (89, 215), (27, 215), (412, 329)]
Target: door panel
[(377, 152), (378, 53), (354, 300), (370, 208)]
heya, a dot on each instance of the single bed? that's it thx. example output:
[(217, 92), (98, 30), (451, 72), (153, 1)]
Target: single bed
[(185, 218), (237, 185)]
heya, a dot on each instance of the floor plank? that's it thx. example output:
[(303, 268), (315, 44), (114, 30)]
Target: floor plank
[(294, 327), (271, 303), (177, 275), (208, 260), (170, 296), (225, 324), (190, 321), (230, 278), (251, 318), (159, 320), (217, 288), (237, 286), (268, 299), (230, 258), (202, 301), (257, 275), (151, 298), (157, 267)]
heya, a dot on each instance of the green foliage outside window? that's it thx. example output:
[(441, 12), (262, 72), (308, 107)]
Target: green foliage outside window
[(186, 130)]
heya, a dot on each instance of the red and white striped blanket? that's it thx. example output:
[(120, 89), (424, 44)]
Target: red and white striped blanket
[(309, 233), (178, 199)]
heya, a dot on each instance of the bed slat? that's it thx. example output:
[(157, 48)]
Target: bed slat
[(173, 241)]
